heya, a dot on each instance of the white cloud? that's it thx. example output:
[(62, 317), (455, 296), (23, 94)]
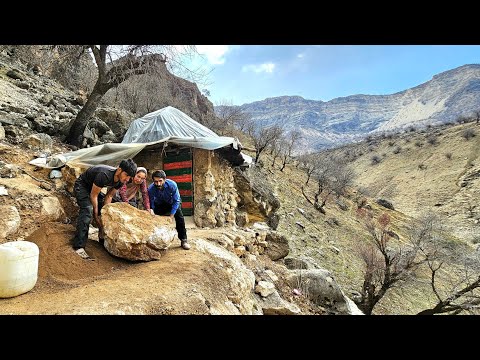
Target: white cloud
[(214, 53), (300, 55), (265, 67)]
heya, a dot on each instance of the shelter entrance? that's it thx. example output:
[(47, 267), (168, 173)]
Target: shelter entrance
[(178, 164)]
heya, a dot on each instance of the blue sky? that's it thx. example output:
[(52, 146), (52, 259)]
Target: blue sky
[(247, 73)]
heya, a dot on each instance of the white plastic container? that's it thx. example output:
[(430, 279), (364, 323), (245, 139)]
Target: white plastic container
[(18, 268)]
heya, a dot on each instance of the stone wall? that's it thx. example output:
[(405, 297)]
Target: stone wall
[(215, 196)]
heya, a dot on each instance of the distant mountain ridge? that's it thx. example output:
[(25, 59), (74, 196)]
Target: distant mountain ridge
[(444, 98)]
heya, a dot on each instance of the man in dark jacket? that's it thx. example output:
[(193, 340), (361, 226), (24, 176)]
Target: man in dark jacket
[(165, 200), (87, 189)]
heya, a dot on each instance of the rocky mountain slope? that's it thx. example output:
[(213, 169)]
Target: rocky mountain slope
[(443, 99)]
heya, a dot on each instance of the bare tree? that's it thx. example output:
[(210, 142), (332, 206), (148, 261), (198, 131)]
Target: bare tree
[(308, 163), (463, 294), (325, 173), (385, 265), (116, 64), (231, 116), (263, 136), (291, 142), (276, 149), (343, 178)]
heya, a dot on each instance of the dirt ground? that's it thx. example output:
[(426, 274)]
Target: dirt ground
[(178, 283)]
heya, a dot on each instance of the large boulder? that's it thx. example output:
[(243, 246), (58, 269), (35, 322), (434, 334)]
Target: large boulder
[(321, 288), (241, 280), (134, 234)]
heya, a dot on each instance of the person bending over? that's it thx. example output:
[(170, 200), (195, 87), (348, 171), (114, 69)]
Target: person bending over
[(87, 191), (165, 200)]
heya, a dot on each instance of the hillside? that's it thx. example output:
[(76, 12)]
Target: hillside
[(444, 98)]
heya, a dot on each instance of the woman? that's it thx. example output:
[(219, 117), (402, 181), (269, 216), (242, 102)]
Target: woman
[(128, 192)]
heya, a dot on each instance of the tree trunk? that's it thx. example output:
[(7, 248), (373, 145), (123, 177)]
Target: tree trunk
[(75, 135), (366, 308), (426, 312)]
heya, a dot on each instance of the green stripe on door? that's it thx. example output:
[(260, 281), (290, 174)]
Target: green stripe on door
[(184, 186), (169, 158), (178, 172)]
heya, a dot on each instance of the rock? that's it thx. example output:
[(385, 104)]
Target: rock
[(241, 218), (277, 246), (9, 221), (52, 208), (38, 141), (9, 170), (241, 279), (298, 263), (16, 74), (264, 288), (271, 275), (385, 203), (133, 234), (320, 288), (273, 304)]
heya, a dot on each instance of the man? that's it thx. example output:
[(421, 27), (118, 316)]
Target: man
[(165, 200), (87, 190)]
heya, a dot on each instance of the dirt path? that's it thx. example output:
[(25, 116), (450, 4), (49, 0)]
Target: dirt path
[(181, 282)]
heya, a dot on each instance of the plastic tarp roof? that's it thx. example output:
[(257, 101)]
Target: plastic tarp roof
[(165, 125), (165, 122)]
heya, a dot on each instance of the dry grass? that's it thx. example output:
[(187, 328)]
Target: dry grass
[(437, 187)]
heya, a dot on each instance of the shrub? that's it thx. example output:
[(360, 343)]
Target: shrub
[(376, 159), (432, 140), (468, 134), (448, 155)]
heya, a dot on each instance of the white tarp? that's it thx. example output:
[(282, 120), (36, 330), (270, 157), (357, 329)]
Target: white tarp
[(165, 125), (165, 122)]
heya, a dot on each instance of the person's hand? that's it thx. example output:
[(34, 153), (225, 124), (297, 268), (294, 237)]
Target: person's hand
[(171, 218), (101, 232)]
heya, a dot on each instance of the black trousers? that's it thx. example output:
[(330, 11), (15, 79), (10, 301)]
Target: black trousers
[(165, 209), (84, 216)]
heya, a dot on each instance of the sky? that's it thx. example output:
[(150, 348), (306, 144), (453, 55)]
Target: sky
[(247, 73)]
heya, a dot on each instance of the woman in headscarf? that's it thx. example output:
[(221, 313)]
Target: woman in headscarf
[(128, 192)]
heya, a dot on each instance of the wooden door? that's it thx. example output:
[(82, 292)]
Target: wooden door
[(178, 166)]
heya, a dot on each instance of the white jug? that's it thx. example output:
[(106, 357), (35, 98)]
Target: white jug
[(18, 267)]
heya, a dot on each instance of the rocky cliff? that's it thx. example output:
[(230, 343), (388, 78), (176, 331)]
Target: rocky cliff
[(446, 97)]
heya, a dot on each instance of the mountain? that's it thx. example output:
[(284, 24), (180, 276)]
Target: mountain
[(444, 98)]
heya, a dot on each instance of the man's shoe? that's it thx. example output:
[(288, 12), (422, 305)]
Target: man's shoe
[(83, 254), (185, 245)]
